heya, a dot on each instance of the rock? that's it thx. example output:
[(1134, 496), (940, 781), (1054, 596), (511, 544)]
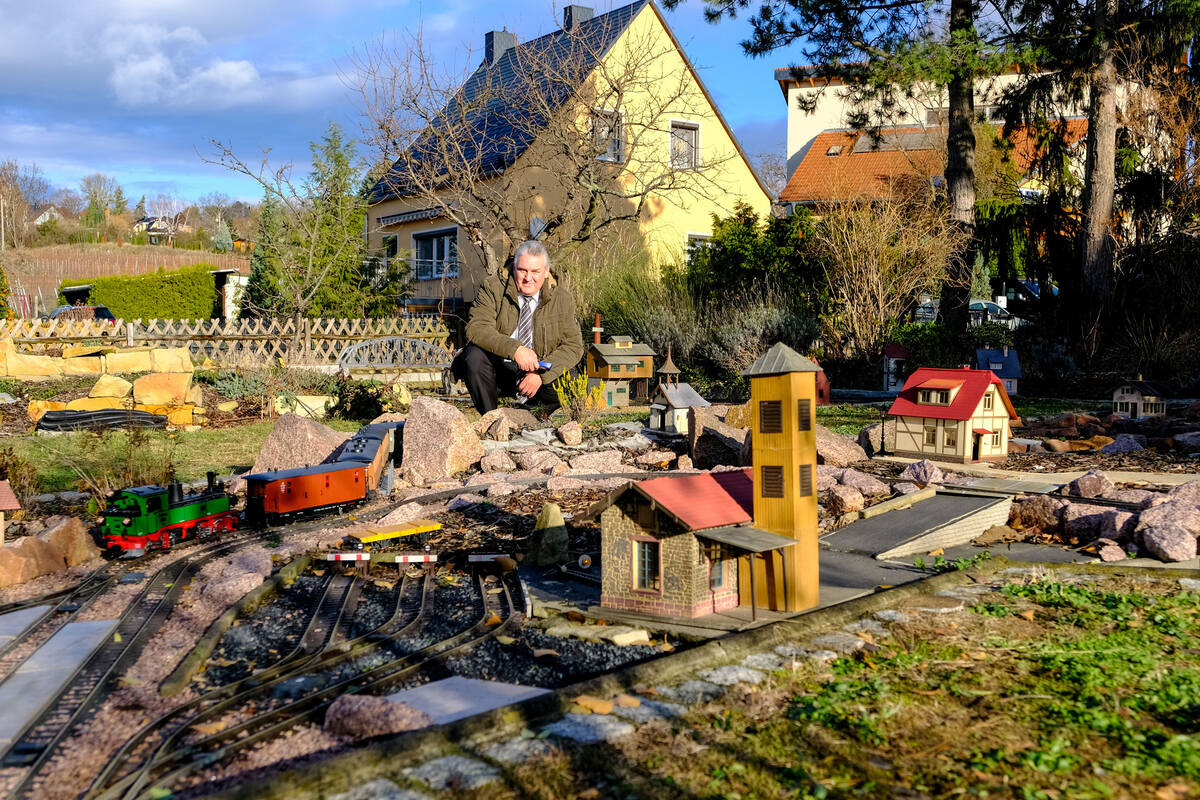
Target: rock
[(503, 489), (692, 692), (589, 728), (1124, 443), (997, 534), (1117, 525), (1111, 552), (739, 416), (873, 438), (550, 542), (904, 487), (97, 403), (843, 499), (501, 429), (438, 440), (1066, 420), (27, 367), (711, 442), (39, 407), (1173, 513), (1083, 522), (465, 502), (1141, 497), (1187, 442), (162, 388), (68, 536), (629, 637), (535, 460), (294, 442), (825, 481), (731, 675), (111, 386), (497, 461), (598, 462), (561, 484), (360, 716), (313, 406), (1057, 446), (227, 406), (1169, 542), (655, 458), (684, 462), (15, 568), (837, 450), (571, 433), (542, 436), (868, 485), (42, 555), (405, 513), (924, 472), (516, 750), (378, 789), (559, 468), (1189, 492), (518, 419), (81, 366), (635, 443), (171, 359), (1094, 483), (1040, 512), (839, 642)]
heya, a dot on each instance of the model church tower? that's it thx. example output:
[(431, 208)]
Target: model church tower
[(783, 396)]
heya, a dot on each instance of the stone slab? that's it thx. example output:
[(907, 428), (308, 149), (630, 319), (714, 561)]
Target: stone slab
[(14, 623), (380, 789), (904, 526), (454, 772), (456, 698), (43, 675), (589, 728)]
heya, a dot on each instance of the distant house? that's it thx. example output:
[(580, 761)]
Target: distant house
[(672, 399), (625, 368), (1136, 399), (959, 415), (1004, 362), (895, 357), (43, 214), (162, 229)]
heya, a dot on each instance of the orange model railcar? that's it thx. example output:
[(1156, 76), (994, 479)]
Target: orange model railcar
[(273, 497)]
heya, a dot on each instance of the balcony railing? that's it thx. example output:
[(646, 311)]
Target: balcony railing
[(427, 269)]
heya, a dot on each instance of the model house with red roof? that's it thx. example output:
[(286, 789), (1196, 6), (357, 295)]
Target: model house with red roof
[(960, 415)]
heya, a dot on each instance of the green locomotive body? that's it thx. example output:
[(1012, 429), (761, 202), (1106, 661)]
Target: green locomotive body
[(146, 517)]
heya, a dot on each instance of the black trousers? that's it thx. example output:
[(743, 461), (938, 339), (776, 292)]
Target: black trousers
[(489, 377)]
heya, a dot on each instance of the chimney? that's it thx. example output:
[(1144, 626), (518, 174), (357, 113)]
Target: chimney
[(597, 330), (1005, 350), (573, 16), (495, 43)]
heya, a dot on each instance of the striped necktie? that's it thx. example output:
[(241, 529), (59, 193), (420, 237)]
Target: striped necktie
[(525, 322)]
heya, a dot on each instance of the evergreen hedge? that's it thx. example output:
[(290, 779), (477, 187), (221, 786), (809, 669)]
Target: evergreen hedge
[(187, 293)]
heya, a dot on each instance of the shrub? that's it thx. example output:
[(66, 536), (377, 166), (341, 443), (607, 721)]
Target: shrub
[(576, 399), (20, 474), (6, 311), (366, 400), (111, 460), (187, 293)]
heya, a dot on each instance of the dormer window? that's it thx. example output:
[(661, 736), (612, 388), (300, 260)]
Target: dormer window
[(934, 397), (834, 150), (995, 365)]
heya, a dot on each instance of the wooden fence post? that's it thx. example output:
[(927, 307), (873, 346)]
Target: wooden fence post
[(129, 334), (307, 339)]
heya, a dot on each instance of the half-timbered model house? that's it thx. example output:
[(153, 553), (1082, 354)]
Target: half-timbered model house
[(959, 415)]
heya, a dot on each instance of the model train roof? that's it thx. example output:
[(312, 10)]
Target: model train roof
[(316, 469)]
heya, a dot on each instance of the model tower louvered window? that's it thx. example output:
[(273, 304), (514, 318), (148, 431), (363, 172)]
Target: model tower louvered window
[(770, 416), (804, 415), (806, 480), (772, 481)]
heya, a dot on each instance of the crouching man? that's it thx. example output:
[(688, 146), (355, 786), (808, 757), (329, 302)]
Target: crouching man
[(519, 324)]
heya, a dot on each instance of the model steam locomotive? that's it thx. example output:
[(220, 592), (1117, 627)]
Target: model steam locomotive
[(142, 518)]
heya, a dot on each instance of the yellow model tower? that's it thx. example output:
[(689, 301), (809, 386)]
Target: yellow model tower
[(783, 399)]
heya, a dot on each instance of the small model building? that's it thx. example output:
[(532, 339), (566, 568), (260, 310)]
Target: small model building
[(672, 399), (1004, 362), (895, 357), (692, 545), (1137, 399), (624, 367), (823, 386), (960, 415)]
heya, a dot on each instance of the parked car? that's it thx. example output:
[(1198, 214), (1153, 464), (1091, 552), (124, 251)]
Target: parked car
[(987, 311), (83, 313)]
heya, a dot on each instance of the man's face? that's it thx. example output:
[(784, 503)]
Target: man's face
[(530, 272)]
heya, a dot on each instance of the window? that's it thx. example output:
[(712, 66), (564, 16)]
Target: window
[(931, 436), (804, 415), (608, 136), (995, 366), (697, 242), (435, 255), (770, 416), (950, 437), (943, 398), (647, 565), (987, 402), (806, 480), (391, 246), (834, 150), (772, 481), (685, 140), (716, 565), (995, 440)]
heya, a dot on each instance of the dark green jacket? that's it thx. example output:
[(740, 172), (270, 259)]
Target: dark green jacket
[(556, 333)]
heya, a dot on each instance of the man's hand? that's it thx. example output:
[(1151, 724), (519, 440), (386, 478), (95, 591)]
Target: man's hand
[(530, 385), (526, 359)]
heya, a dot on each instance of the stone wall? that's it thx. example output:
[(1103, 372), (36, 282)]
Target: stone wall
[(91, 360)]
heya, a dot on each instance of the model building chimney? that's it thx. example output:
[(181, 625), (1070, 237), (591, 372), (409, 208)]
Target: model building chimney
[(574, 15), (597, 330), (496, 43), (1005, 351)]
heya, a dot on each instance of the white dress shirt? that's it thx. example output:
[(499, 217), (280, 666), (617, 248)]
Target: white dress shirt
[(525, 298)]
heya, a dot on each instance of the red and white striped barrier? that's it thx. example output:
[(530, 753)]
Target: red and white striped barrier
[(483, 558), (347, 556), (416, 558)]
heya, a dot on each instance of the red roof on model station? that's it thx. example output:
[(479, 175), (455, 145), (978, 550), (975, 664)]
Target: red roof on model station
[(972, 382), (705, 500), (8, 500)]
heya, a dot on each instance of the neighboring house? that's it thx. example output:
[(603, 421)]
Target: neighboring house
[(895, 357), (1002, 361), (446, 265), (623, 367), (1136, 399), (43, 214), (960, 415), (692, 545), (671, 401), (162, 229)]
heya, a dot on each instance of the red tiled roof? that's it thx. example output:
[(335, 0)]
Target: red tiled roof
[(8, 500), (974, 383), (706, 500), (940, 383)]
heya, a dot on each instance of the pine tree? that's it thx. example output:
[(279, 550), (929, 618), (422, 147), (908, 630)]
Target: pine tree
[(119, 204), (340, 210), (264, 295), (140, 210), (222, 240), (94, 216)]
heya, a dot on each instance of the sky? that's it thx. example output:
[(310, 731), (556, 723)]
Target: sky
[(138, 89)]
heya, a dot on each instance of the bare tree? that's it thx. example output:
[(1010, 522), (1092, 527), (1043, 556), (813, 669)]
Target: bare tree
[(772, 168), (563, 127), (171, 210), (14, 209), (98, 188), (878, 256)]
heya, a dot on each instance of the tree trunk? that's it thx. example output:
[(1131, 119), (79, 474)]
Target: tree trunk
[(960, 178), (1096, 262)]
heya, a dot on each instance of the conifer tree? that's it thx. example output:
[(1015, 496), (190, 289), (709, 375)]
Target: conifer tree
[(119, 204), (222, 239), (140, 210), (263, 296)]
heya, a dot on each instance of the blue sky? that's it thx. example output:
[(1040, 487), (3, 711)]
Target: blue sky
[(136, 89)]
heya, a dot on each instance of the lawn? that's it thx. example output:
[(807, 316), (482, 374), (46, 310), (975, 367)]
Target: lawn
[(848, 419), (1058, 688)]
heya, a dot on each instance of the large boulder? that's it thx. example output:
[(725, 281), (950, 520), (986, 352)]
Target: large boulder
[(1093, 483), (739, 416), (1124, 443), (1178, 513), (711, 442), (68, 536), (15, 567), (44, 556), (1188, 492), (877, 436), (1118, 525), (571, 433), (837, 450), (295, 442), (1040, 512), (516, 418), (1141, 497), (1083, 522), (497, 461), (438, 440), (111, 386), (550, 542), (536, 460), (361, 716), (868, 485), (1169, 542), (598, 462), (162, 388), (924, 472), (1187, 442), (843, 499)]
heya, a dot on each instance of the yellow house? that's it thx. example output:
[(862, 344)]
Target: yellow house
[(600, 129), (960, 415)]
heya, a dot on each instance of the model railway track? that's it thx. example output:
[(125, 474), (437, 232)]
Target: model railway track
[(141, 619), (182, 756), (341, 595)]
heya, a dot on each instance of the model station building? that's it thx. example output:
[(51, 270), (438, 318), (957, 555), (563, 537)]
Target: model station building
[(960, 415), (672, 399), (1137, 399)]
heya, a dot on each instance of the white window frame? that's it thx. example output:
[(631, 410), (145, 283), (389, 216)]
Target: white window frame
[(622, 155), (988, 401), (691, 124), (447, 271)]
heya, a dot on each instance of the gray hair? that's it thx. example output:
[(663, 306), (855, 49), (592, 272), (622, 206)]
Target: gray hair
[(531, 247)]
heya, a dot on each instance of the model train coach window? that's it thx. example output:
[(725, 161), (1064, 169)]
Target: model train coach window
[(326, 480), (285, 487)]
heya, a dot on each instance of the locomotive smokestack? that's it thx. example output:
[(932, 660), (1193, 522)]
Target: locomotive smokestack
[(212, 480), (174, 492)]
